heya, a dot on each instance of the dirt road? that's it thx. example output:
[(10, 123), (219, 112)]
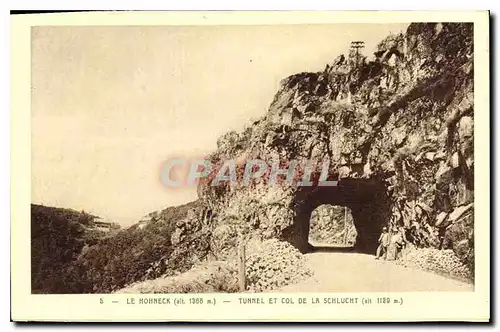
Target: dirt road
[(354, 272)]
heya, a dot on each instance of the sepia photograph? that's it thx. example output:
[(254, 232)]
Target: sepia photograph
[(332, 158)]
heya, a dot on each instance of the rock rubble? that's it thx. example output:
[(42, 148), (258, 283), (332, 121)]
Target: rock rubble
[(272, 264), (443, 262)]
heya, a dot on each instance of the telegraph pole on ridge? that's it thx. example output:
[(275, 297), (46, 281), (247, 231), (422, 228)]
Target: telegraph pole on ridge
[(356, 46)]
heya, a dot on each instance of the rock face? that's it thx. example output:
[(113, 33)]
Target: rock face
[(397, 131), (332, 225)]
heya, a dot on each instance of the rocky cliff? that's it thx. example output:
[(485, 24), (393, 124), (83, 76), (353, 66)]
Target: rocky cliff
[(397, 130)]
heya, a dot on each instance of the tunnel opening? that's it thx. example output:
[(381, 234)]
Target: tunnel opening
[(332, 227), (366, 199)]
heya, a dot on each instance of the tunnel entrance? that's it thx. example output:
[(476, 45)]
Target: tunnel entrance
[(366, 199), (332, 226)]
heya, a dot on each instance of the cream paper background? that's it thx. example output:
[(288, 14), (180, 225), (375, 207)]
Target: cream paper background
[(426, 306)]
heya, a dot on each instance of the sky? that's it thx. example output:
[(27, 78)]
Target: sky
[(111, 104)]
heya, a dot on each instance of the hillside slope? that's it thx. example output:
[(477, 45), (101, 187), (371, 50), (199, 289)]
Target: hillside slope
[(58, 237), (144, 251)]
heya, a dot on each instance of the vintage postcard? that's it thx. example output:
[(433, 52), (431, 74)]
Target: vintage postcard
[(244, 166)]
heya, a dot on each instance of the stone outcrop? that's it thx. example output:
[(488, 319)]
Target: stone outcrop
[(397, 131)]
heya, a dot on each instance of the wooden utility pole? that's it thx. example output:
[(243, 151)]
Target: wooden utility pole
[(345, 225), (356, 46), (241, 266)]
